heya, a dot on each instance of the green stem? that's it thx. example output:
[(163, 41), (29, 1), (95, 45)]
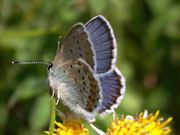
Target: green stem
[(52, 117)]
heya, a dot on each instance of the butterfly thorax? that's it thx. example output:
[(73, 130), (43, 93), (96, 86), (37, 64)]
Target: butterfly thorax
[(59, 83)]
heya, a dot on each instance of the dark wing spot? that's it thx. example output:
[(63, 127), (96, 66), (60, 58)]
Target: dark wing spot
[(77, 42), (90, 109), (79, 48), (83, 77), (90, 90), (84, 83), (71, 67), (75, 80), (94, 100), (80, 90), (74, 37), (78, 70), (114, 101), (80, 55), (71, 51), (83, 88), (64, 71)]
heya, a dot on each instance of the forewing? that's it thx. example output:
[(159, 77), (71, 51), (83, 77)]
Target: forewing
[(76, 45), (104, 43)]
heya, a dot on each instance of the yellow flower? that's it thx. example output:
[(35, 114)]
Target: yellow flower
[(142, 125), (69, 127)]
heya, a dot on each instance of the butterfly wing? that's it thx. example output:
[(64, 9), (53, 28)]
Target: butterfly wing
[(113, 86), (78, 87), (104, 43), (76, 45)]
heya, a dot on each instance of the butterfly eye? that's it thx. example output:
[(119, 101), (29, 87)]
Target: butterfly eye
[(49, 65)]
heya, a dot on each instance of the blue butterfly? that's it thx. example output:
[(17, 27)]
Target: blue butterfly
[(83, 74)]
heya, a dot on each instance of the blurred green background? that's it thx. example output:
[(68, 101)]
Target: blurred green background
[(148, 39)]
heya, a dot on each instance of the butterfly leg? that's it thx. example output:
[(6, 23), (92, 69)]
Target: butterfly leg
[(113, 112), (59, 41), (58, 98), (52, 95), (61, 114), (100, 132)]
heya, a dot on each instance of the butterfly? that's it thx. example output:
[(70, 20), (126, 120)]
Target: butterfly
[(83, 74)]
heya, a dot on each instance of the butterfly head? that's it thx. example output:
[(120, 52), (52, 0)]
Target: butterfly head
[(49, 65)]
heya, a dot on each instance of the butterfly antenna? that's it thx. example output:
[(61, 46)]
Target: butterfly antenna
[(48, 64), (33, 62)]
